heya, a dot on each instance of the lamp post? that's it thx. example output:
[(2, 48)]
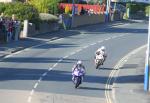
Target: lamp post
[(146, 75)]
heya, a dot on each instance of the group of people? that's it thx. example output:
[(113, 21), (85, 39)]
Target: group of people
[(9, 28), (79, 69)]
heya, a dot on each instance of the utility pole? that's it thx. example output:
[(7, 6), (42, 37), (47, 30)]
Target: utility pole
[(73, 11), (146, 75), (107, 11)]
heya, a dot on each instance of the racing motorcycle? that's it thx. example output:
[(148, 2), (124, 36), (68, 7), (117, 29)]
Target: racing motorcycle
[(99, 59), (78, 76), (77, 81)]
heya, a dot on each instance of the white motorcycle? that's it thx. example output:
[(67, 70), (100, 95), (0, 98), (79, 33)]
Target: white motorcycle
[(99, 60)]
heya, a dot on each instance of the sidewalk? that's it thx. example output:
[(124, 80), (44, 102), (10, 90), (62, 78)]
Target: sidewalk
[(14, 46), (129, 85)]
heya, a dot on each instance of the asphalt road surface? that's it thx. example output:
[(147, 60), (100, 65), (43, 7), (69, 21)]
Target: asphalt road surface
[(42, 74)]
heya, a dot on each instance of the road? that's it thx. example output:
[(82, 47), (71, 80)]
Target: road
[(42, 74)]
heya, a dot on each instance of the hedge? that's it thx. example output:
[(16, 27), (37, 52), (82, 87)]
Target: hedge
[(44, 17)]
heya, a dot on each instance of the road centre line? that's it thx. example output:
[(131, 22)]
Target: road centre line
[(50, 69), (59, 60), (29, 99), (31, 93), (36, 84), (56, 64), (40, 79), (44, 74)]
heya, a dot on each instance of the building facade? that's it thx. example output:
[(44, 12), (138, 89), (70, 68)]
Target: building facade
[(12, 0), (6, 0)]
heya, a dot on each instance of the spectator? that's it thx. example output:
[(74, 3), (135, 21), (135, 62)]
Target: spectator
[(16, 28), (82, 11)]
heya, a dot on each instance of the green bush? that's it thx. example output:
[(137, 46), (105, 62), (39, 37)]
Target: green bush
[(147, 10), (21, 10), (48, 17), (2, 7), (46, 6)]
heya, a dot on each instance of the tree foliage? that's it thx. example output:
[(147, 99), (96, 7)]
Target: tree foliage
[(21, 10), (45, 6)]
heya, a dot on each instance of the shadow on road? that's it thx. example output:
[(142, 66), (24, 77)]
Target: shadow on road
[(92, 88), (35, 74), (130, 79), (37, 60)]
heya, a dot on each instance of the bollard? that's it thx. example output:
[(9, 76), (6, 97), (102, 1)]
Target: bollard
[(25, 29)]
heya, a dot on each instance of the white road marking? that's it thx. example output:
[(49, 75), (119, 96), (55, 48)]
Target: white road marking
[(125, 60), (29, 99), (60, 60), (72, 53), (31, 93), (35, 86), (55, 64), (78, 50), (40, 79), (66, 56), (44, 74), (108, 38), (85, 46), (50, 69)]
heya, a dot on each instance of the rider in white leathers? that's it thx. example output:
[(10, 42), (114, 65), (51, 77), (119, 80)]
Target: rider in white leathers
[(101, 54), (78, 70)]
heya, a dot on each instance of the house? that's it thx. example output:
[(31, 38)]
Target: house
[(12, 0), (6, 0)]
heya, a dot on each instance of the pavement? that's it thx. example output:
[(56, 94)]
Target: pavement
[(128, 86), (23, 43)]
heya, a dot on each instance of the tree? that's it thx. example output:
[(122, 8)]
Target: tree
[(45, 6)]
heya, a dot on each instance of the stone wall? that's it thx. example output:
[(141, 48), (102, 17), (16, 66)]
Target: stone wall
[(43, 28), (80, 20)]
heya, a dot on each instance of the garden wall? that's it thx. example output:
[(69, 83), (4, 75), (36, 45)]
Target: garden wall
[(80, 20), (43, 28)]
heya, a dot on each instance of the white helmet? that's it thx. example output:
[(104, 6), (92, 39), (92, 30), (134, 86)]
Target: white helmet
[(79, 62), (103, 48)]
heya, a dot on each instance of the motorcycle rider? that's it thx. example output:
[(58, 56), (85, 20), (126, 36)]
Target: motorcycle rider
[(78, 70), (102, 53)]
